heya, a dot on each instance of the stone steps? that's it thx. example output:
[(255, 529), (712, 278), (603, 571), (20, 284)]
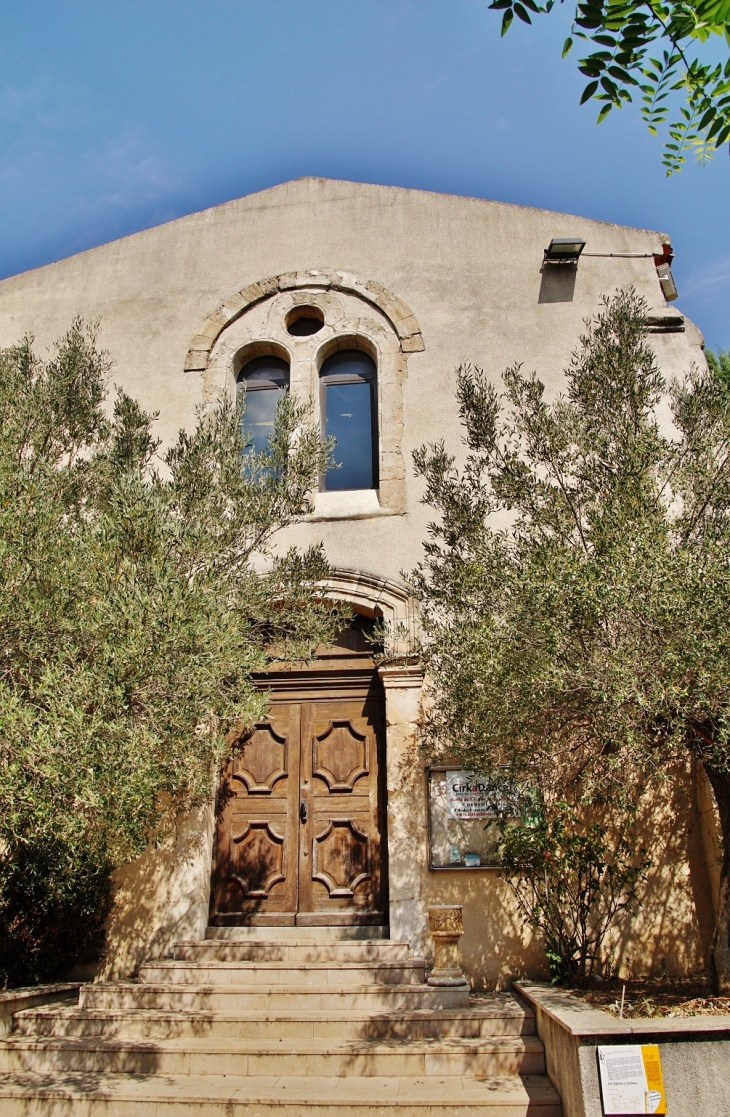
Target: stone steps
[(257, 1025), (492, 1015), (291, 950), (366, 932), (267, 973), (242, 998), (28, 1095), (490, 1056)]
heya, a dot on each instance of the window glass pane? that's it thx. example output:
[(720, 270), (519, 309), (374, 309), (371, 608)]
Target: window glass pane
[(265, 370), (258, 418), (348, 411), (262, 381), (349, 362)]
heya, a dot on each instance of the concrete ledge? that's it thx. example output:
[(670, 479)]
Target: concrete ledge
[(695, 1052), (31, 996)]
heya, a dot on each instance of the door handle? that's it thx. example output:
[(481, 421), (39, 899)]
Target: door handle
[(303, 812)]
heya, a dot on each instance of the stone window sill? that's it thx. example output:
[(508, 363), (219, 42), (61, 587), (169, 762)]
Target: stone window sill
[(350, 504)]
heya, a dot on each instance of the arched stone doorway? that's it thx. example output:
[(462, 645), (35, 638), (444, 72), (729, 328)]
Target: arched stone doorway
[(301, 813)]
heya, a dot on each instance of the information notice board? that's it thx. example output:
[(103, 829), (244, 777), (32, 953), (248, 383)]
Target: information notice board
[(463, 813), (631, 1079)]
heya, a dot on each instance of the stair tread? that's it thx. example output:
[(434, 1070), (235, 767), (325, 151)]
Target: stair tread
[(353, 933), (302, 940), (229, 987), (277, 964), (349, 1017), (285, 1045), (301, 1090), (366, 951), (477, 1009)]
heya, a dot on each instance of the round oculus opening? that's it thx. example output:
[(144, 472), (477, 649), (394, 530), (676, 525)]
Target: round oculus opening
[(303, 321)]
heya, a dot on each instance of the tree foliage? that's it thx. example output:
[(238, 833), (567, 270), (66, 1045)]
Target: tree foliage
[(719, 364), (133, 613), (573, 884), (575, 585), (648, 51)]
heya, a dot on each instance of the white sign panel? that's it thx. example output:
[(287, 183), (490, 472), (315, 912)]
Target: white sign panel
[(469, 796), (631, 1079)]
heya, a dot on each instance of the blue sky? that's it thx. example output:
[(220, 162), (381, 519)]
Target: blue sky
[(118, 114)]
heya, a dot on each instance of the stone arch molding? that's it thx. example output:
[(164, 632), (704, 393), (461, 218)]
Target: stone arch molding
[(350, 320), (378, 597), (399, 315)]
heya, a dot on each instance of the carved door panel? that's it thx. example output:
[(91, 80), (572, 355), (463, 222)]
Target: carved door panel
[(341, 874), (301, 817), (255, 877)]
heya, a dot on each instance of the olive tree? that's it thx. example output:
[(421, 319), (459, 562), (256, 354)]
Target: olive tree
[(133, 612), (576, 582)]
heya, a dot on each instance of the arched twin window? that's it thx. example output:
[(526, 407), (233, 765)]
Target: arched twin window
[(263, 380), (348, 409), (349, 415)]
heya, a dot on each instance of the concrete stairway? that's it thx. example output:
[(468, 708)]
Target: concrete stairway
[(274, 1023)]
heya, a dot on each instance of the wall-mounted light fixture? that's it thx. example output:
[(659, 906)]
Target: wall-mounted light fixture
[(666, 282), (563, 250)]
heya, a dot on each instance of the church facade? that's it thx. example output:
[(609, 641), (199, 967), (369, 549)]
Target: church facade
[(364, 299)]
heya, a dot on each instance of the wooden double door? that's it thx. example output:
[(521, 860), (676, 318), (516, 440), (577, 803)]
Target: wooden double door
[(301, 812)]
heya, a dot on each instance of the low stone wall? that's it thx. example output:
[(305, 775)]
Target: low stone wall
[(15, 1000), (695, 1052)]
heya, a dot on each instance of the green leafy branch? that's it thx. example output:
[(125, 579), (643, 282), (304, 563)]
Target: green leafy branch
[(622, 67)]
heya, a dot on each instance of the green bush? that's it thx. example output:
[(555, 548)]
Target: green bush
[(572, 885), (133, 612)]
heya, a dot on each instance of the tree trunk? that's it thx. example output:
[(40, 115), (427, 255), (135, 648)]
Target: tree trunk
[(720, 781)]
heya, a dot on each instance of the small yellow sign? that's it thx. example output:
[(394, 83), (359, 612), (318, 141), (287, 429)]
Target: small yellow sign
[(631, 1079), (656, 1100)]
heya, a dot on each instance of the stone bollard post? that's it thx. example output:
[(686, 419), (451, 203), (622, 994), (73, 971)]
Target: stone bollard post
[(446, 927)]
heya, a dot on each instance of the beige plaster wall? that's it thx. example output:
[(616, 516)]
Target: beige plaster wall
[(709, 819), (469, 272), (669, 932), (162, 897)]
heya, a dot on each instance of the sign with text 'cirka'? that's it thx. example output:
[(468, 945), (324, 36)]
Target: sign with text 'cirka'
[(470, 795), (631, 1079)]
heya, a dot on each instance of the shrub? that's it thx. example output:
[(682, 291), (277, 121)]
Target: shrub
[(133, 611), (572, 885)]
